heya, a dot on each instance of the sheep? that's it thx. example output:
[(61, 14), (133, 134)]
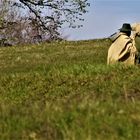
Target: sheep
[(136, 38), (136, 29)]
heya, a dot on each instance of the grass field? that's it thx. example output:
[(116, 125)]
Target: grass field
[(65, 91)]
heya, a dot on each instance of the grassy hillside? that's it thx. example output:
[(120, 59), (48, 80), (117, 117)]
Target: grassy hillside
[(65, 91)]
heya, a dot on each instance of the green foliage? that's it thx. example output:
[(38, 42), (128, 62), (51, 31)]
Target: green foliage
[(66, 91)]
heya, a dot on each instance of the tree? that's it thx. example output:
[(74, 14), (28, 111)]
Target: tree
[(4, 9), (50, 15), (15, 27), (10, 24), (33, 21)]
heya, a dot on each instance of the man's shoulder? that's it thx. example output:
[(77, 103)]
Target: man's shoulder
[(125, 37)]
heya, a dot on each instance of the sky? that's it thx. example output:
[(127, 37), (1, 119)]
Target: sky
[(104, 18)]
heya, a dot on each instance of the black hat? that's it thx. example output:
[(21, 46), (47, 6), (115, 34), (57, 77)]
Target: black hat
[(126, 27)]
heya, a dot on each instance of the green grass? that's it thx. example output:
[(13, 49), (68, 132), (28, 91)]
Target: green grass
[(65, 91)]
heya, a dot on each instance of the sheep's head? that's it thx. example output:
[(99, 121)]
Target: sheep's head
[(136, 28)]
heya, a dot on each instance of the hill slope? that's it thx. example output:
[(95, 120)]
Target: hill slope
[(66, 91)]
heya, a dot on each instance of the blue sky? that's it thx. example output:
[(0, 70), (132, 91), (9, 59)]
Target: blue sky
[(104, 18)]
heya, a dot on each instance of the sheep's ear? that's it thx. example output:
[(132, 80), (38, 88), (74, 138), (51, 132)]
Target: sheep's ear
[(133, 26)]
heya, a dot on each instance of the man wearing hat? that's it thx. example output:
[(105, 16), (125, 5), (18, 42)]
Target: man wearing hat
[(123, 47)]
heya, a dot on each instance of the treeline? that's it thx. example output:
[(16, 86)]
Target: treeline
[(35, 21)]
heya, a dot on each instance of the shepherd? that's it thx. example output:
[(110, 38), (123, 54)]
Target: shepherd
[(123, 47)]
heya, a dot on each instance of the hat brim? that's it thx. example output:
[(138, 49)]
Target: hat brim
[(126, 30)]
